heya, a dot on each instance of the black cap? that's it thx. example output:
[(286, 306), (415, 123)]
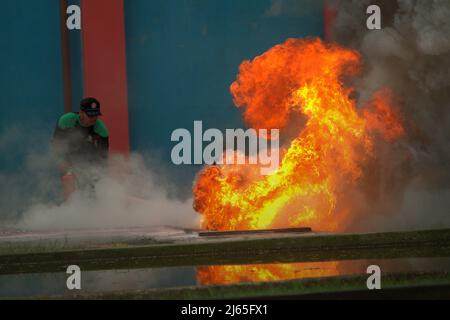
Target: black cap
[(91, 106)]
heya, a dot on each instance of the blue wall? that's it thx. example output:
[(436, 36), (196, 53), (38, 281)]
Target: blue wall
[(30, 56), (183, 56), (76, 63), (31, 96)]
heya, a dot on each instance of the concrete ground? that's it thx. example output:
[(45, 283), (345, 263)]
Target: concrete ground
[(161, 234), (24, 252)]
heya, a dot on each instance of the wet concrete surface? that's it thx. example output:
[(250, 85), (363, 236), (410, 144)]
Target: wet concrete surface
[(110, 281), (131, 259)]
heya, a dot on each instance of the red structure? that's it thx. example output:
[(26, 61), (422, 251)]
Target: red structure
[(104, 65)]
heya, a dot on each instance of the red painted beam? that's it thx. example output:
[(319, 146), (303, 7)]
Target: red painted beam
[(104, 60)]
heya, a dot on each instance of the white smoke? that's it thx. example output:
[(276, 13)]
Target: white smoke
[(130, 194), (135, 197)]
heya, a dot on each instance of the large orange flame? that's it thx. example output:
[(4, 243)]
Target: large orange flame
[(298, 86)]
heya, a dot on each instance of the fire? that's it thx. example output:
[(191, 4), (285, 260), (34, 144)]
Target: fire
[(382, 117), (298, 87), (231, 274)]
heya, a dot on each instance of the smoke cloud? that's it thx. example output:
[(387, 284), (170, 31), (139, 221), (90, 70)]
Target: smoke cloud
[(135, 198), (134, 192), (408, 184)]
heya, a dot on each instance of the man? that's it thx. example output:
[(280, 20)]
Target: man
[(81, 143)]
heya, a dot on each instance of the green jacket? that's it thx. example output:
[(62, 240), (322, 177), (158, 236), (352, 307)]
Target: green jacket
[(76, 144)]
